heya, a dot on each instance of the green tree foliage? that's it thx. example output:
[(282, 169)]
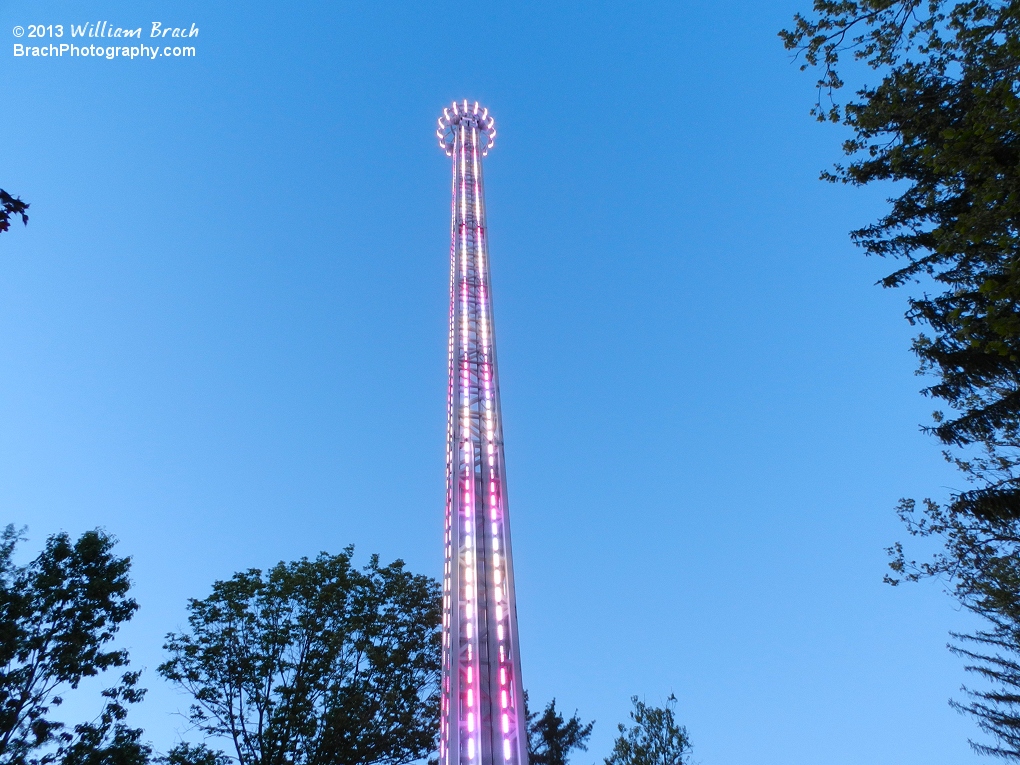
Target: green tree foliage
[(11, 207), (58, 614), (194, 754), (313, 663), (654, 738), (943, 121), (551, 738)]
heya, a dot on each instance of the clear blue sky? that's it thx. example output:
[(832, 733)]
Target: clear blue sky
[(222, 338)]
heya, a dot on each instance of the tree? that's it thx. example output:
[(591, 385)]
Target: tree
[(194, 754), (655, 738), (11, 207), (58, 613), (944, 123), (313, 663), (551, 739)]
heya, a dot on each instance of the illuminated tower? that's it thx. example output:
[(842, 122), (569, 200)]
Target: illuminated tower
[(482, 720)]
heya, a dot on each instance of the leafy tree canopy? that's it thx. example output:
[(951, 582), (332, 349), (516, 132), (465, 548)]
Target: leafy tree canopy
[(551, 738), (58, 614), (11, 207), (194, 754), (313, 663), (654, 738), (943, 122)]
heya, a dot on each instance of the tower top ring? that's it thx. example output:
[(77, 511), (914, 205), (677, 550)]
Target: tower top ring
[(469, 115)]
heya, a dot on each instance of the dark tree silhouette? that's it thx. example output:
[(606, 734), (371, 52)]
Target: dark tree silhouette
[(11, 207), (551, 738), (655, 738), (943, 122), (58, 614), (313, 662)]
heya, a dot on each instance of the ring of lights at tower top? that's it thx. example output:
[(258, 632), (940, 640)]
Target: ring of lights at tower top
[(470, 115)]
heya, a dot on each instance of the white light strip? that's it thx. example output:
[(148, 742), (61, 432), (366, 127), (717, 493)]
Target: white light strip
[(451, 666)]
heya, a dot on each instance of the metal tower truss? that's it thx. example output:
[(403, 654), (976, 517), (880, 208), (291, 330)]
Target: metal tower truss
[(482, 720)]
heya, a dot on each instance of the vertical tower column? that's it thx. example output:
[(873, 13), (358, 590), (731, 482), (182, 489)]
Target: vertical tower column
[(482, 707)]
